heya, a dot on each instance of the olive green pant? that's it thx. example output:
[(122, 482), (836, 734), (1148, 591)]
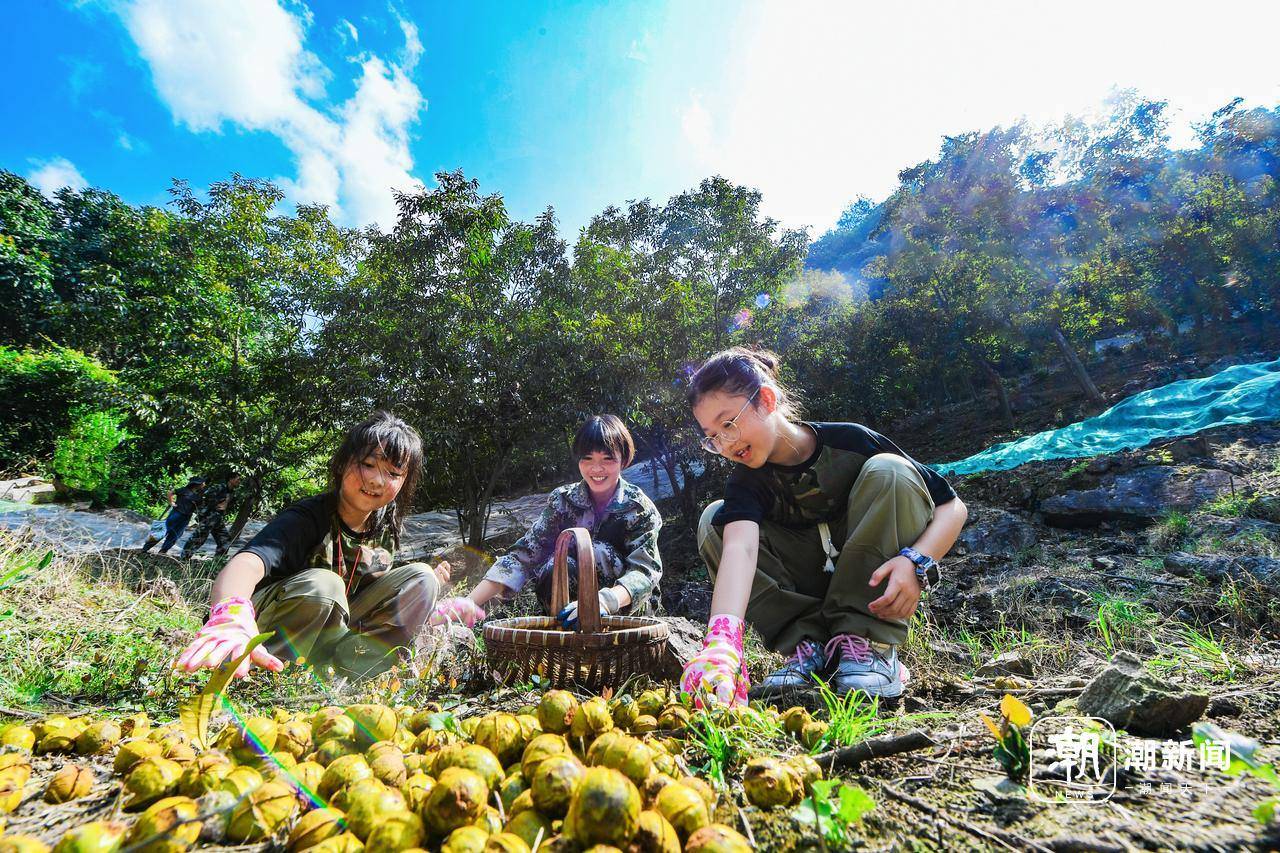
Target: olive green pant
[(315, 620), (793, 598)]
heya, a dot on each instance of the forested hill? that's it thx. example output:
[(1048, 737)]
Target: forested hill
[(141, 344)]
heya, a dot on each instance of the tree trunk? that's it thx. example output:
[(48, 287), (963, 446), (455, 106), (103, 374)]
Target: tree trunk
[(1077, 367), (252, 498), (1006, 410)]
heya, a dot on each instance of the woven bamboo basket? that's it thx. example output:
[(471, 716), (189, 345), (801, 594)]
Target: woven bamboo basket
[(605, 650)]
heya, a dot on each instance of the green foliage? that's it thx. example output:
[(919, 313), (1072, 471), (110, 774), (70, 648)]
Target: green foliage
[(1244, 761), (1228, 505), (1119, 621), (834, 809), (41, 389), (726, 739), (851, 718), (84, 457)]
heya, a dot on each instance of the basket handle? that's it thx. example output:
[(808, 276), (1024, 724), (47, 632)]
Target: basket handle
[(588, 595)]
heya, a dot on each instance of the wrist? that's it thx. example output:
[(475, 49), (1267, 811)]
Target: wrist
[(725, 628), (233, 605), (926, 568)]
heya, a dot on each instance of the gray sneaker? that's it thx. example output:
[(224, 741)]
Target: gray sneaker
[(796, 673), (873, 669)]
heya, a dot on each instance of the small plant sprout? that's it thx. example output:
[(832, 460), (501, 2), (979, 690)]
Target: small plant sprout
[(833, 809), (1012, 750)]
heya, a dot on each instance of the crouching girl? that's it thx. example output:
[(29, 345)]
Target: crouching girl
[(624, 527), (320, 574)]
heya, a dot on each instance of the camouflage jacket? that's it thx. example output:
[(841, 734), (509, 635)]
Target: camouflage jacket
[(630, 524), (214, 496)]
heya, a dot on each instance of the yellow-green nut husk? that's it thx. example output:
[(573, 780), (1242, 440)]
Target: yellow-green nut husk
[(419, 721), (57, 741), (417, 763), (490, 820), (179, 751), (315, 826), (457, 800), (415, 790), (240, 780), (556, 711), (624, 710), (522, 802), (630, 756), (368, 807), (529, 725), (373, 723), (100, 836), (673, 718), (539, 749), (98, 737), (133, 751), (13, 781), (643, 724), (432, 739), (343, 771), (167, 826), (22, 844), (528, 824), (204, 774), (344, 843), (404, 739), (388, 765), (305, 779), (262, 813), (665, 762), (465, 839), (150, 780), (18, 737), (52, 723), (654, 785), (502, 735), (769, 783), (650, 702), (554, 784), (256, 737), (807, 769), (604, 810), (477, 758), (331, 750), (683, 808), (654, 834), (703, 787), (813, 733), (294, 737), (468, 726), (135, 725), (794, 719), (512, 786), (396, 832), (506, 842), (347, 796), (71, 782), (318, 718), (340, 727), (591, 721), (717, 838)]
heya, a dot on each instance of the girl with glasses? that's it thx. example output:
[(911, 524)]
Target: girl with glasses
[(624, 527), (824, 541)]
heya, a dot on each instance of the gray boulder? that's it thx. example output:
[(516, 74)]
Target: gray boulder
[(998, 533), (1140, 497), (1216, 566), (1130, 698)]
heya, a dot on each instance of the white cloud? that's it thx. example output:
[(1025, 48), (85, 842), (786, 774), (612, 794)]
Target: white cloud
[(51, 175), (244, 64), (821, 101), (697, 127), (347, 31)]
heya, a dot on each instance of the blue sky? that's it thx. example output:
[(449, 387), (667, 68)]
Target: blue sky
[(579, 105)]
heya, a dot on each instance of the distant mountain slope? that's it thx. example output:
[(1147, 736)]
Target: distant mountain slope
[(849, 247)]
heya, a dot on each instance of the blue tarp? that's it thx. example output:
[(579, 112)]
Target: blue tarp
[(1241, 394)]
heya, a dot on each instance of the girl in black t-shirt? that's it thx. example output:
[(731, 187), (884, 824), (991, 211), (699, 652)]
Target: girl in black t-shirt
[(320, 573)]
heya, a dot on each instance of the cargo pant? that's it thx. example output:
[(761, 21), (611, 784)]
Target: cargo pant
[(314, 619), (793, 598), (215, 523)]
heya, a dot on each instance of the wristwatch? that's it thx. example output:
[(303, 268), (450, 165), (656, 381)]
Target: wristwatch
[(927, 570)]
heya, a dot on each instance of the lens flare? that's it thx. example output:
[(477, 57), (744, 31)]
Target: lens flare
[(763, 300)]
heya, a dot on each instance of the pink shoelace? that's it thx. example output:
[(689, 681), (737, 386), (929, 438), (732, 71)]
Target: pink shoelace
[(849, 646), (806, 650)]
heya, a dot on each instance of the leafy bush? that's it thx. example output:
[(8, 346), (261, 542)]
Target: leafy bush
[(83, 457), (41, 390)]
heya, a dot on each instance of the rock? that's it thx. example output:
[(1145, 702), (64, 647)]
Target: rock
[(1194, 447), (1225, 707), (1007, 663), (998, 533), (1265, 507), (1216, 566), (1141, 496), (1130, 698), (30, 490), (683, 642)]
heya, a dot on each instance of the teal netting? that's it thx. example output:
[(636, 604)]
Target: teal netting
[(1241, 394)]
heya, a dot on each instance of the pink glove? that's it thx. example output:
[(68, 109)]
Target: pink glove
[(462, 610), (224, 637), (719, 670)]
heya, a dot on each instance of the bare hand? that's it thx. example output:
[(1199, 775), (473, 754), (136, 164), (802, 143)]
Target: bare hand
[(444, 572), (901, 594)]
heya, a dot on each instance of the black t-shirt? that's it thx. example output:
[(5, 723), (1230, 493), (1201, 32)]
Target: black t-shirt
[(310, 535), (185, 500), (817, 489)]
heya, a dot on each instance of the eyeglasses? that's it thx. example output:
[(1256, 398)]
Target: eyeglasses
[(729, 432)]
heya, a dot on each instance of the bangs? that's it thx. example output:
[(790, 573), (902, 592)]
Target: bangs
[(604, 434), (398, 446)]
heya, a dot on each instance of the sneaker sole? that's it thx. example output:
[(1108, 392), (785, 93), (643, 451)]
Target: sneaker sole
[(890, 691)]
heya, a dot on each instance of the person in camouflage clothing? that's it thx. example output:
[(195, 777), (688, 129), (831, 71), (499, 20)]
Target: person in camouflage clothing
[(215, 503), (621, 518)]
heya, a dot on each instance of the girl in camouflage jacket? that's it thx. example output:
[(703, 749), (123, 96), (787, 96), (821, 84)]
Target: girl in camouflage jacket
[(623, 523)]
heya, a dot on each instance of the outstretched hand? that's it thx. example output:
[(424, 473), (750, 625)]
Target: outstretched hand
[(718, 672), (224, 637), (461, 610)]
